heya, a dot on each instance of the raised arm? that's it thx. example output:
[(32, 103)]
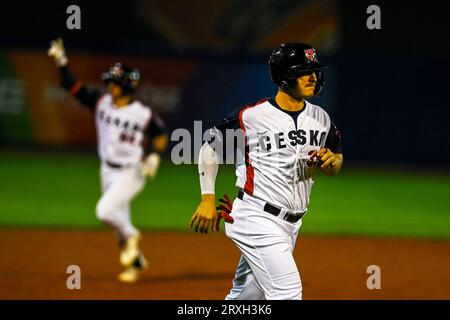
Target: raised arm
[(87, 95)]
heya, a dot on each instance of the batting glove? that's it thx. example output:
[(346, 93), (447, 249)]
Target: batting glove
[(150, 165), (58, 53), (224, 210), (320, 158)]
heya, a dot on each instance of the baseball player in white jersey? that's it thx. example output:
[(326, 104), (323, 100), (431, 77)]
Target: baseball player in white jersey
[(131, 138), (286, 138)]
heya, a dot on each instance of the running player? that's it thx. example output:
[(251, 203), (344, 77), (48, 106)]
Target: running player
[(131, 139), (286, 138)]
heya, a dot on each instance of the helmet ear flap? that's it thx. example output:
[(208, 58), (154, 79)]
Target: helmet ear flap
[(320, 83), (289, 83), (285, 85)]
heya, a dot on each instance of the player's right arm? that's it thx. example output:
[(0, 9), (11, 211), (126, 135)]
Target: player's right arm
[(86, 94), (204, 218)]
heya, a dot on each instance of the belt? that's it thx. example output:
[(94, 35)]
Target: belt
[(275, 211), (114, 165)]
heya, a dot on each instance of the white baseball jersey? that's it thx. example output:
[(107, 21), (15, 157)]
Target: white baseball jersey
[(275, 165), (120, 131)]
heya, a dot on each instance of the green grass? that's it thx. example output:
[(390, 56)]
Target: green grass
[(61, 190), (381, 202)]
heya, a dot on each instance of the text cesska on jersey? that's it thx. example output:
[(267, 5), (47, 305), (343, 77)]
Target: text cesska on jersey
[(273, 163)]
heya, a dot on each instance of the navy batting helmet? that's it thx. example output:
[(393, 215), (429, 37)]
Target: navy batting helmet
[(125, 77), (292, 60)]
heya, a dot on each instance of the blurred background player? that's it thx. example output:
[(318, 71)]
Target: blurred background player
[(131, 138)]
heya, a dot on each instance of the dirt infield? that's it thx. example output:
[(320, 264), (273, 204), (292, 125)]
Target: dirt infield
[(33, 265)]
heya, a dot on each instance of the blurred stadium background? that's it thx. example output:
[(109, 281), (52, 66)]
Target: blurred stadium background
[(387, 90)]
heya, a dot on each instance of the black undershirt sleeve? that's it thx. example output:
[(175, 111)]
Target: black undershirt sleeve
[(231, 121), (87, 95), (333, 141), (223, 135), (155, 128)]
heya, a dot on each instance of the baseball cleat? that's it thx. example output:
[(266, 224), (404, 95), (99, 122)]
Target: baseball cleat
[(131, 274), (130, 250)]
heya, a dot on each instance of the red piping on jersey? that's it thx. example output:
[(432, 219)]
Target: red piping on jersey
[(75, 88), (249, 186)]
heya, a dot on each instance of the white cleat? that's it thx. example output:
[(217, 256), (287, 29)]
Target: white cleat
[(130, 251), (131, 274)]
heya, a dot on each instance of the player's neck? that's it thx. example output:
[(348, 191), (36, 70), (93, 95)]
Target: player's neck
[(288, 103), (122, 101)]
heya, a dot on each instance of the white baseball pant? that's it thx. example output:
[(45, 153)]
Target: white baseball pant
[(119, 187), (266, 269)]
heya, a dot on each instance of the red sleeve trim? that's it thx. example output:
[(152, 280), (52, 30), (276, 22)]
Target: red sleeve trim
[(249, 186), (76, 88)]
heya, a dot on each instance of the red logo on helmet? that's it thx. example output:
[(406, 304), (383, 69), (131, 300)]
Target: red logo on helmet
[(310, 54)]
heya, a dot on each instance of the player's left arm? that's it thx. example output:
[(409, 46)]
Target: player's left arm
[(330, 162), (330, 156), (157, 141)]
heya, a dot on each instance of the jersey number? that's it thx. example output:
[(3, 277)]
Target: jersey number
[(126, 137)]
